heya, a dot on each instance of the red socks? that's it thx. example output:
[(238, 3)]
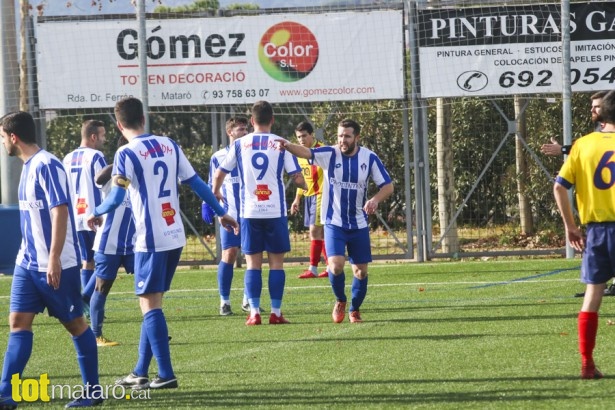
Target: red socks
[(315, 251), (588, 328)]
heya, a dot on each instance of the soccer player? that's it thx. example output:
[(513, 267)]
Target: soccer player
[(554, 149), (313, 199), (150, 167), (264, 225), (236, 127), (47, 267), (589, 169), (81, 165), (113, 246), (345, 206)]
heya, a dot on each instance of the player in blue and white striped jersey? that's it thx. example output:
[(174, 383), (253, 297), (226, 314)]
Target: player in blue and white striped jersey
[(348, 168), (81, 165), (236, 127), (264, 226), (151, 167), (46, 274), (113, 247)]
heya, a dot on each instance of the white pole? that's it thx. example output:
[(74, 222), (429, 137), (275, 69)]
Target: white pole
[(143, 60), (566, 92), (10, 167)]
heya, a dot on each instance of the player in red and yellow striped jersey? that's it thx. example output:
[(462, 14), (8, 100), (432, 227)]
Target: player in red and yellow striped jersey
[(590, 168), (313, 176)]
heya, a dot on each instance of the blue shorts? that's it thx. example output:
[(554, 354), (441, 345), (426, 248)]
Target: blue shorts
[(271, 235), (108, 265), (599, 255), (30, 293), (86, 245), (356, 241), (311, 210), (154, 270), (229, 239)]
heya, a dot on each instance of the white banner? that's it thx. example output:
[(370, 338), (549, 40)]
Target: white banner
[(234, 60), (514, 50)]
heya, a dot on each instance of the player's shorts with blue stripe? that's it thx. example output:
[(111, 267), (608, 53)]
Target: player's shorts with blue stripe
[(259, 235), (108, 265), (30, 293), (154, 270), (356, 241), (86, 243), (229, 239), (599, 255)]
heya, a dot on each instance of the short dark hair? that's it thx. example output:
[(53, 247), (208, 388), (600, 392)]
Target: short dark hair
[(598, 95), (607, 112), (234, 121), (129, 112), (262, 113), (305, 126), (90, 127), (348, 123), (21, 124)]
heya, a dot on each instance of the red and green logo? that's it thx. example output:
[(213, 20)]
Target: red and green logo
[(288, 51)]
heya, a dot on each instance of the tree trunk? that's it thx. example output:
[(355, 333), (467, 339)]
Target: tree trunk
[(446, 181), (525, 211)]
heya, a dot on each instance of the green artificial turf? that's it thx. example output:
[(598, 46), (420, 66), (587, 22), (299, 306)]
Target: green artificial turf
[(445, 335)]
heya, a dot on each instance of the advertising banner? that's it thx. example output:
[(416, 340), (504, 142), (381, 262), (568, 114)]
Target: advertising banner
[(514, 50), (280, 58)]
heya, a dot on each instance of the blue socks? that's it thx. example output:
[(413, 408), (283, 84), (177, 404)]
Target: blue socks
[(87, 356), (88, 290), (359, 290), (158, 336), (277, 279), (225, 279), (337, 283), (97, 312), (253, 282), (18, 350), (86, 274), (145, 353)]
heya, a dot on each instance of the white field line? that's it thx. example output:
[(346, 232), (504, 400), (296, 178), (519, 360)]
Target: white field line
[(371, 285)]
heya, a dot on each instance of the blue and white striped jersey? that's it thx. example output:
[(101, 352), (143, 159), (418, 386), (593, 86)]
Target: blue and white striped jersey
[(44, 185), (81, 165), (261, 166), (154, 166), (345, 184), (230, 186), (116, 235)]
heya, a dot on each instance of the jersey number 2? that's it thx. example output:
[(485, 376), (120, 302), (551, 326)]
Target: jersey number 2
[(160, 168)]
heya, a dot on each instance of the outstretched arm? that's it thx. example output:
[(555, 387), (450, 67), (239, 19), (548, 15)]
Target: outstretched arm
[(295, 149), (553, 149), (202, 190), (111, 202)]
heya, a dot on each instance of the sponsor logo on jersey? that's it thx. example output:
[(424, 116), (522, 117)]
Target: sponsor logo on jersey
[(168, 213), (81, 206), (30, 205), (262, 192)]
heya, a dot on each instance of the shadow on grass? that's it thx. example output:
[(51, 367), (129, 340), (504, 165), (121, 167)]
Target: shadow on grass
[(345, 394)]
